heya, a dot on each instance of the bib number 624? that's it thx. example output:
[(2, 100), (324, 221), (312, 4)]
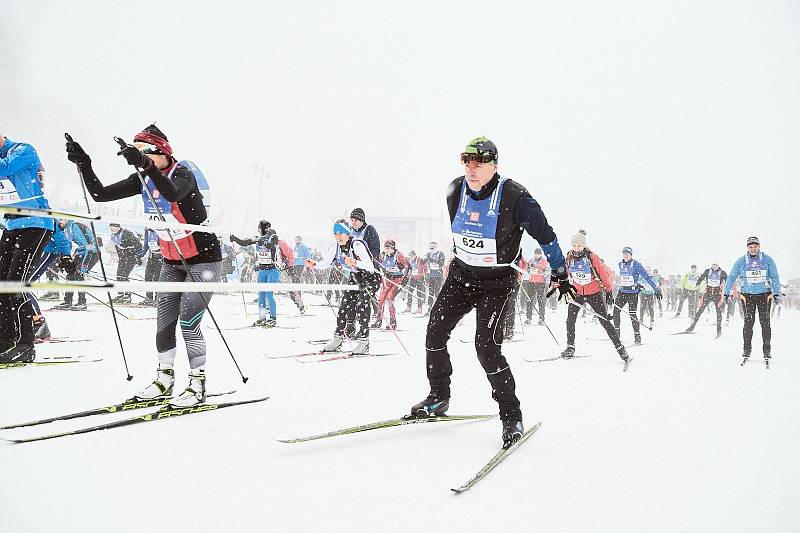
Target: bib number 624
[(472, 243)]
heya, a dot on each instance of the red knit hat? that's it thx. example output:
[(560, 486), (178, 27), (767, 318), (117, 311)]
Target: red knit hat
[(154, 136)]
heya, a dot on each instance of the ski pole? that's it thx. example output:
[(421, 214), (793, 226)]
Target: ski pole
[(541, 317), (185, 265), (396, 336), (102, 267)]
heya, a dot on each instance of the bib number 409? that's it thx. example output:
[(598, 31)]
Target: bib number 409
[(472, 243)]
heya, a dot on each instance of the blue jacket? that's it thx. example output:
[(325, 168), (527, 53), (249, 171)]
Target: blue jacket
[(639, 273), (739, 271), (74, 234), (301, 253), (19, 184), (59, 244)]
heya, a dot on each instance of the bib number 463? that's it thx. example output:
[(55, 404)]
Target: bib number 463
[(472, 243)]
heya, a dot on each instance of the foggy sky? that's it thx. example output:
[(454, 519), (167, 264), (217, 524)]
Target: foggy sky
[(671, 127)]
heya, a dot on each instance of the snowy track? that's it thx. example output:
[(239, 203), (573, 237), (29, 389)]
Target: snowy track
[(687, 440)]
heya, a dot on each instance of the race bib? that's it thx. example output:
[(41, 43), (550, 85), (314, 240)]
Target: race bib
[(476, 251), (582, 278), (154, 246), (756, 276), (713, 282), (434, 266), (627, 280), (8, 193), (264, 257)]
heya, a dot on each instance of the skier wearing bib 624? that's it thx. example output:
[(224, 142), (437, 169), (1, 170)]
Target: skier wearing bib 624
[(174, 188), (761, 286), (488, 214)]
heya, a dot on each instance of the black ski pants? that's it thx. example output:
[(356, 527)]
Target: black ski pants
[(598, 305), (692, 296), (709, 297), (534, 294), (152, 271), (76, 270), (354, 308), (20, 251), (455, 300), (416, 289), (631, 299), (760, 303), (435, 282)]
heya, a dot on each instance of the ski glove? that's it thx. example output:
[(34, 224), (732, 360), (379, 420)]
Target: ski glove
[(559, 280), (75, 153), (659, 295), (134, 157)]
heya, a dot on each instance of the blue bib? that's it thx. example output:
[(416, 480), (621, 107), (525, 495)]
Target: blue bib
[(755, 269), (581, 271), (389, 264), (626, 274), (474, 227), (714, 278)]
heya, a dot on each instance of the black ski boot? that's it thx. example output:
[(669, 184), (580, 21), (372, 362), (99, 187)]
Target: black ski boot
[(623, 353), (512, 432), (568, 353), (637, 339), (430, 406), (21, 353)]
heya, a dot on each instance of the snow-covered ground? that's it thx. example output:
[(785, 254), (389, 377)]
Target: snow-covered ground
[(687, 440)]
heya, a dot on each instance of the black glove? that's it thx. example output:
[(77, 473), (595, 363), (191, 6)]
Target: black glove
[(139, 261), (75, 153), (67, 264), (233, 239), (134, 157), (659, 296), (609, 298), (565, 288)]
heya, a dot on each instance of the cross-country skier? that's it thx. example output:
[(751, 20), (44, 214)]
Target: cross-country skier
[(152, 270), (21, 245), (393, 268), (128, 253), (175, 189), (368, 234), (488, 214), (434, 260), (588, 275), (416, 282), (301, 253), (630, 270), (352, 255), (646, 293), (267, 256), (534, 287), (689, 289), (715, 279), (760, 287), (83, 259)]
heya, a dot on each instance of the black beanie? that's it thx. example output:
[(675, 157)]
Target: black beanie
[(358, 214)]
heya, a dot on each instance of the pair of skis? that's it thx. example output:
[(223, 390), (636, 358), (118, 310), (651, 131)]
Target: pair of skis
[(499, 457), (49, 361), (163, 412), (330, 356)]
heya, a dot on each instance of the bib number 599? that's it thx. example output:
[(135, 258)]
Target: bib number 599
[(472, 243)]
